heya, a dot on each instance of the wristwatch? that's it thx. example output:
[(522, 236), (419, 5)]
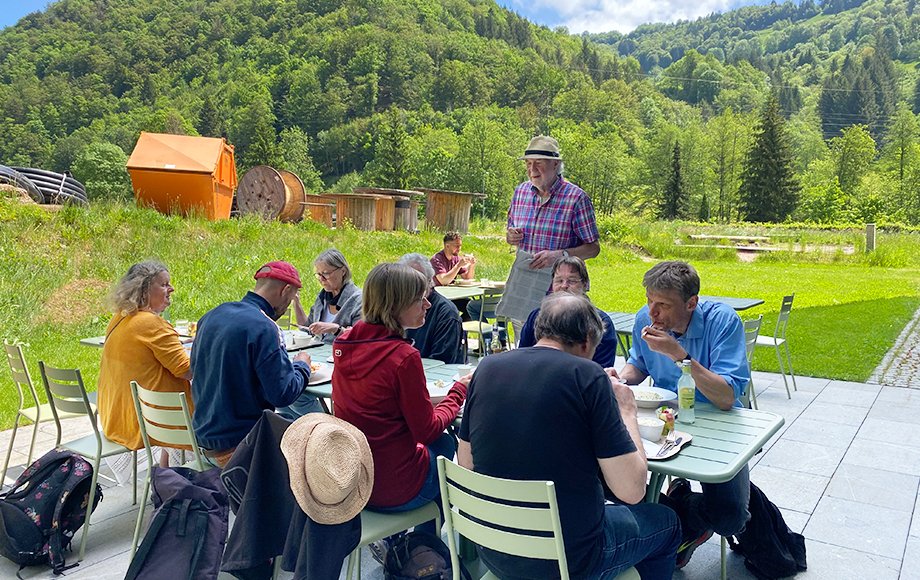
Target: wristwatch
[(565, 253)]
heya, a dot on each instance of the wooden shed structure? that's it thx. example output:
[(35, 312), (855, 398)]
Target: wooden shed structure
[(319, 208), (179, 173), (448, 210), (405, 207)]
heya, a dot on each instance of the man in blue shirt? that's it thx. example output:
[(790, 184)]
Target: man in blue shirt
[(240, 364), (672, 327)]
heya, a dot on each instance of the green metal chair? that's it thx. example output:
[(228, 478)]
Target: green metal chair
[(477, 507), (377, 526), (751, 330), (66, 394), (164, 416), (779, 340), (36, 411), (483, 327)]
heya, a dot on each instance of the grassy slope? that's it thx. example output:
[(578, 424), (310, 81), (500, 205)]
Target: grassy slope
[(57, 269)]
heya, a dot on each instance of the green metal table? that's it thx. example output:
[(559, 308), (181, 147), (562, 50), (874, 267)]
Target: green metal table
[(723, 443), (459, 292)]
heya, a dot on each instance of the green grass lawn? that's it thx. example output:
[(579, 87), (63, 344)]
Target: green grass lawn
[(58, 268)]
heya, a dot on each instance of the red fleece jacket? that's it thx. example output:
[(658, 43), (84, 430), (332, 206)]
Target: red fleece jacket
[(379, 387)]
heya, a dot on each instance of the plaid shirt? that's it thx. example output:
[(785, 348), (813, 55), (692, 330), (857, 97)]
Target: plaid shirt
[(565, 221)]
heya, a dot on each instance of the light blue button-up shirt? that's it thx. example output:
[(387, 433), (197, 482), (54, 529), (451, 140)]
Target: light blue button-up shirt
[(714, 338)]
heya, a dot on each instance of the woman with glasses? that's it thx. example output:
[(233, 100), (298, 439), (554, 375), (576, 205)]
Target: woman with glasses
[(570, 274), (379, 387), (338, 304)]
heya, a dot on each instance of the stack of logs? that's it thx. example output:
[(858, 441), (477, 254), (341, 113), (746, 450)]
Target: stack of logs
[(279, 194)]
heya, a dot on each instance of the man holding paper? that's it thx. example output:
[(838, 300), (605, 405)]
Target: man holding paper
[(550, 217)]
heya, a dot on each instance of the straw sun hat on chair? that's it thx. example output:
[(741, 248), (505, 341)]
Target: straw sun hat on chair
[(330, 465)]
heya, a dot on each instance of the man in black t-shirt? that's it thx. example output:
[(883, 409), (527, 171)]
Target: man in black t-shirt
[(549, 413)]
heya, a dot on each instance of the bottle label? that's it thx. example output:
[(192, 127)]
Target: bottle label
[(686, 398)]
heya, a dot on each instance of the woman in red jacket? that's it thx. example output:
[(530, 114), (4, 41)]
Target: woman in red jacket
[(379, 387)]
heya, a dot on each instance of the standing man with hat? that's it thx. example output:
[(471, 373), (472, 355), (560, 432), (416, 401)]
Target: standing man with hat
[(241, 366), (550, 217)]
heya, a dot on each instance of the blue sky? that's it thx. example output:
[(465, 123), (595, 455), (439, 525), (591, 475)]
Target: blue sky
[(577, 15)]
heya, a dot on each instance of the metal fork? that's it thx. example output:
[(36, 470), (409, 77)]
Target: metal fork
[(668, 443)]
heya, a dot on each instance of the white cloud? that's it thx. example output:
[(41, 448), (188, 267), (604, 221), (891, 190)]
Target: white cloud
[(624, 15)]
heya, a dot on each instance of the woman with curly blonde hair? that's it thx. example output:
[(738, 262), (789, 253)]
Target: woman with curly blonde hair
[(140, 345)]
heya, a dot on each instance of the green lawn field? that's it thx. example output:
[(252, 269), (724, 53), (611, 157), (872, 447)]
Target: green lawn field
[(58, 268)]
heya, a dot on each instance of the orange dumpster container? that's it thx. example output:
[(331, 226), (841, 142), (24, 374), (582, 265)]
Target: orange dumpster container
[(179, 173)]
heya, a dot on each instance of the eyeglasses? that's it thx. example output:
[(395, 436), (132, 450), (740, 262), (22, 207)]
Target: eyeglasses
[(325, 275), (567, 281)]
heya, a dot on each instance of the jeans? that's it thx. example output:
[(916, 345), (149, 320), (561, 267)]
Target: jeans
[(644, 535), (305, 403), (722, 507), (443, 446)]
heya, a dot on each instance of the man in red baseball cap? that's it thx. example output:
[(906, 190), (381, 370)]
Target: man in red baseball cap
[(240, 364)]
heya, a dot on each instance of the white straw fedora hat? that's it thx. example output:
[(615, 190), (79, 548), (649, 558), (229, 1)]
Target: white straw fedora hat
[(330, 465), (542, 147)]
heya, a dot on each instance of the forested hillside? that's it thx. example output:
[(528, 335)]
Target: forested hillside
[(446, 93)]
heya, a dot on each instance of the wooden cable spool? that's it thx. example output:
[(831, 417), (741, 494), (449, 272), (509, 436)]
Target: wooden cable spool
[(271, 194)]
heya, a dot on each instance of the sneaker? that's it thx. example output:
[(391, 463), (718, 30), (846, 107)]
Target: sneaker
[(689, 545), (379, 550)]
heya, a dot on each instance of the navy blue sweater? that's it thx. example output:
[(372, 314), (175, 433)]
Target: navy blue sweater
[(240, 367)]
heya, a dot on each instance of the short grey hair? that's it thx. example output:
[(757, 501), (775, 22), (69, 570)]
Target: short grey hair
[(674, 275), (419, 262), (337, 260), (570, 319), (132, 292)]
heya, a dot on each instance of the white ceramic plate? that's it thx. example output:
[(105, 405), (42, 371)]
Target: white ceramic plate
[(652, 449), (321, 375), (652, 397), (466, 282), (437, 393)]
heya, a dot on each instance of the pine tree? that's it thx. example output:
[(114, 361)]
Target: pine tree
[(769, 191), (390, 151), (673, 204), (704, 208), (210, 121)]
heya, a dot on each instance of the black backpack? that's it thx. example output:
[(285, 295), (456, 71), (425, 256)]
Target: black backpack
[(770, 549), (186, 537), (419, 556), (44, 509)]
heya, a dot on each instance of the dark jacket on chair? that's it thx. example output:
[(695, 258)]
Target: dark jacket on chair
[(269, 521)]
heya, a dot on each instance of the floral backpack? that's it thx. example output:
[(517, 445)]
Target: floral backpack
[(44, 509)]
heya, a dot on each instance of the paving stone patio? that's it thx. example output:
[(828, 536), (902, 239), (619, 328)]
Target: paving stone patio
[(839, 470)]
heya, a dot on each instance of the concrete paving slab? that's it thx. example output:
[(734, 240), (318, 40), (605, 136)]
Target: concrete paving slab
[(830, 562), (836, 414), (792, 490), (895, 457), (859, 526), (910, 566), (873, 486), (811, 458), (846, 396), (814, 431)]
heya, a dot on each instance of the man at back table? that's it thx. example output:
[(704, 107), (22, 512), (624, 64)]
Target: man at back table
[(241, 366), (448, 264), (672, 327), (550, 217), (549, 413)]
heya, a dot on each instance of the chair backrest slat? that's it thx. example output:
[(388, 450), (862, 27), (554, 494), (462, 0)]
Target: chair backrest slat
[(783, 319), (20, 372), (65, 391), (489, 511), (751, 330), (531, 518), (512, 543), (169, 422)]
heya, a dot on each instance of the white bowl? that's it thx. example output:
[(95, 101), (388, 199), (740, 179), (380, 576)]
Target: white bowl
[(650, 428)]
